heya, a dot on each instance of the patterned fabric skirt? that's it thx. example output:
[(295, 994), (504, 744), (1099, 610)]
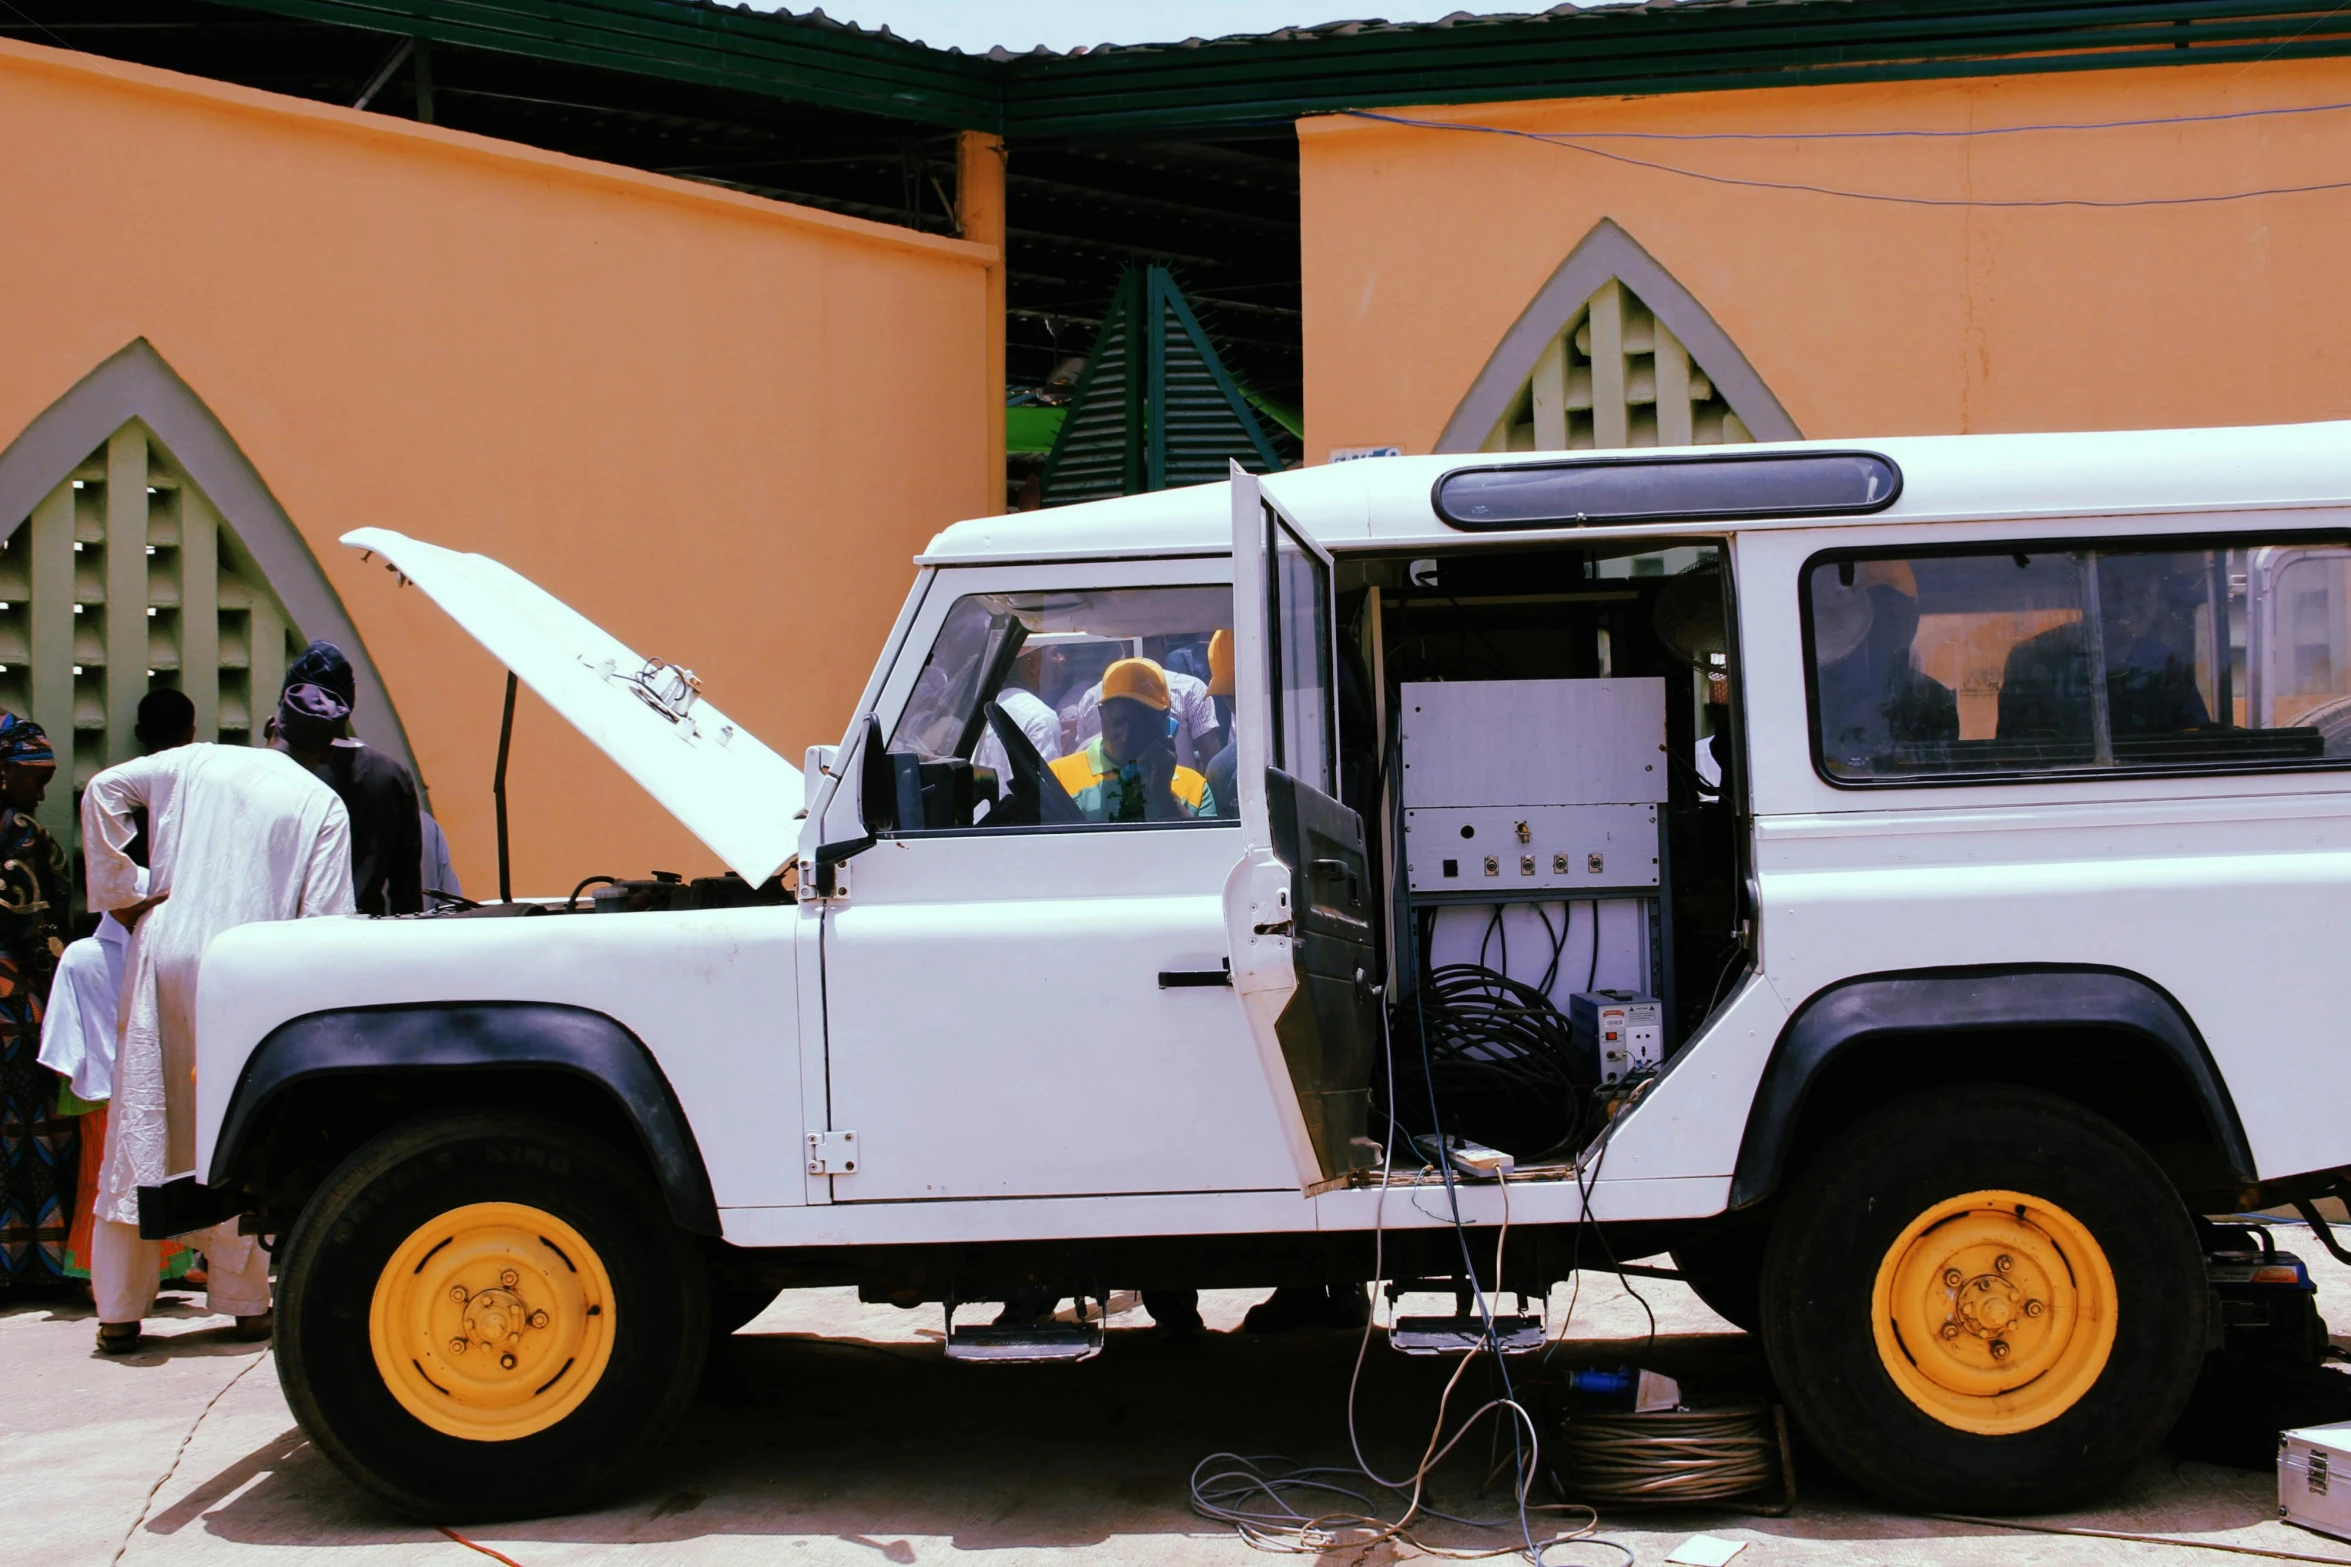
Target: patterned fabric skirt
[(176, 1258), (40, 1149)]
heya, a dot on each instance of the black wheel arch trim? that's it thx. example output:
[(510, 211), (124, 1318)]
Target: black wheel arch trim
[(1955, 1000), (470, 1036)]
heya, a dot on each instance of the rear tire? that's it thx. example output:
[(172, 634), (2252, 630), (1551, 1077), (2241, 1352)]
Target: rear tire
[(2061, 1355), (488, 1316)]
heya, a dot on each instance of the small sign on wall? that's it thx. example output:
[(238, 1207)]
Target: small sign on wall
[(1356, 453)]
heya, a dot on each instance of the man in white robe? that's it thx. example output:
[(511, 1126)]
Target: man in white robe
[(235, 835), (78, 1031)]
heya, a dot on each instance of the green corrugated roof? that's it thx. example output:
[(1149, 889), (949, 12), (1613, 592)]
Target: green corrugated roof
[(1204, 85)]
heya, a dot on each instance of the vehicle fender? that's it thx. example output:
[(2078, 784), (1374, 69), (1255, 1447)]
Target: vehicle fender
[(1927, 1002), (444, 1037)]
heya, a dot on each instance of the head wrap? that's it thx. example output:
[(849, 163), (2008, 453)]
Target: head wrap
[(309, 713), (1138, 680), (323, 664), (22, 740)]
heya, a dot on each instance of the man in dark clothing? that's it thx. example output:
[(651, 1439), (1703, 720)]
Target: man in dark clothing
[(313, 725)]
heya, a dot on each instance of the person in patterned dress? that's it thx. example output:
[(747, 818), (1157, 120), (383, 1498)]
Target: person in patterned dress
[(39, 1148)]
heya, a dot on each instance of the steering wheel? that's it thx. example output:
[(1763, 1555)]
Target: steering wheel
[(1032, 797)]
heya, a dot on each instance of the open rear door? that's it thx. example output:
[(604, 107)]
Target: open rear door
[(1299, 905)]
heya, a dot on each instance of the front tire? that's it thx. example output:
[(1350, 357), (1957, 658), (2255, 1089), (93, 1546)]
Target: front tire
[(1984, 1300), (488, 1316)]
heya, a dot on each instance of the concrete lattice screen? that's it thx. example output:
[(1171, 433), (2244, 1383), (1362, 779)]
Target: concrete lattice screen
[(1616, 377), (124, 577)]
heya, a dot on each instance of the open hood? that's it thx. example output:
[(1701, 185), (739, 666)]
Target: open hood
[(729, 790)]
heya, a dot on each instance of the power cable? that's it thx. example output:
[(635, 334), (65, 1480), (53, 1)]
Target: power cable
[(2146, 1539), (1802, 188), (1669, 1456), (1967, 133)]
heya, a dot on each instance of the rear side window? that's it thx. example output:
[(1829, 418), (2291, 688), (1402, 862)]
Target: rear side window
[(2036, 660)]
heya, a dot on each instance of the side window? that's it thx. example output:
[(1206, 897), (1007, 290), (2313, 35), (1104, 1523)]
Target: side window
[(1070, 708), (1301, 626), (2224, 653)]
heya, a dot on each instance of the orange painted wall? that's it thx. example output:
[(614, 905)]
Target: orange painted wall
[(1421, 248), (719, 426)]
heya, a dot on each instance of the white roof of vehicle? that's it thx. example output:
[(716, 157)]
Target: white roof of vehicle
[(1385, 501)]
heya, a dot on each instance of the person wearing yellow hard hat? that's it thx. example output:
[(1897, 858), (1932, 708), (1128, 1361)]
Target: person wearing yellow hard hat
[(1223, 786), (1188, 702), (1128, 772), (1877, 707)]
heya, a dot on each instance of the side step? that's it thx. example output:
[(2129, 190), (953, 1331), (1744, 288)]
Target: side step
[(1029, 1343), (1460, 1335)]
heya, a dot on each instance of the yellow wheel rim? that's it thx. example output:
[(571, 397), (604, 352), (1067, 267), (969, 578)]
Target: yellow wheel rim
[(1994, 1312), (492, 1322)]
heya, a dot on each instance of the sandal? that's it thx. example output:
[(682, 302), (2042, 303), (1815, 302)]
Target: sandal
[(118, 1338), (255, 1328)]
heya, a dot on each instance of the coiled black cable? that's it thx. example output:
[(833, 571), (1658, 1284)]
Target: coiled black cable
[(1698, 1455), (1501, 1057)]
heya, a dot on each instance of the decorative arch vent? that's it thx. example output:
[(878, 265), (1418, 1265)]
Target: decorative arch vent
[(1616, 377), (138, 548), (1614, 352)]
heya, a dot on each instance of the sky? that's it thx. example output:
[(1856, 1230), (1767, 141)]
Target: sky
[(975, 26)]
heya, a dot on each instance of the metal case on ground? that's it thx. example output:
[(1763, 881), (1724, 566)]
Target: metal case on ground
[(2314, 1478)]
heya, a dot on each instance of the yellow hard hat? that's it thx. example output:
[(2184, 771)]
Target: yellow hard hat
[(1220, 664), (1138, 680)]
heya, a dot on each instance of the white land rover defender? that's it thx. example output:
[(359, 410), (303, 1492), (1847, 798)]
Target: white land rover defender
[(1905, 880)]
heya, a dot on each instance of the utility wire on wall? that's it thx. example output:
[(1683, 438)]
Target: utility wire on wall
[(1567, 141)]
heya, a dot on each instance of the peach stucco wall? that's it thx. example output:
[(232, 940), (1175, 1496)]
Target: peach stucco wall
[(1422, 247), (719, 426)]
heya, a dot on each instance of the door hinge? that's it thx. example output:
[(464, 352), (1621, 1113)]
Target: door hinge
[(832, 1153)]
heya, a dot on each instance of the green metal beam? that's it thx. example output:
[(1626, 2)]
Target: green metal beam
[(706, 45), (1226, 86), (1679, 49)]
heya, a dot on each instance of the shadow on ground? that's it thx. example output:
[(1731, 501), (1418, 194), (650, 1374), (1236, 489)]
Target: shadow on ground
[(877, 1444)]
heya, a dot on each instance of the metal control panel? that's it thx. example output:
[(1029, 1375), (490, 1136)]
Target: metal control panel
[(1532, 788), (1513, 851), (1533, 742)]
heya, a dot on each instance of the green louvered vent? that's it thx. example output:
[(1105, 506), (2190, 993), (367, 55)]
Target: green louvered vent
[(1166, 415)]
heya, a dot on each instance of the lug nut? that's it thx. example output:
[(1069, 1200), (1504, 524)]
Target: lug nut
[(2033, 1308), (1999, 1350), (510, 1278), (457, 1292), (1950, 1330), (1952, 1278), (457, 1346), (2004, 1262), (506, 1362), (538, 1319)]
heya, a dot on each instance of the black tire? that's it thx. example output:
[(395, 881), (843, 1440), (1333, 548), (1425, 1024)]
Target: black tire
[(1723, 1265), (736, 1297), (377, 1202), (1844, 1215)]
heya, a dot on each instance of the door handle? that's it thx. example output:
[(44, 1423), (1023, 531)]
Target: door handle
[(1194, 978), (1332, 870)]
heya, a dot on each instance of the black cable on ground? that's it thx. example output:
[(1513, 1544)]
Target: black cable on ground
[(1676, 1456)]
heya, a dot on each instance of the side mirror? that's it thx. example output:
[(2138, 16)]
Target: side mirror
[(870, 799), (877, 783)]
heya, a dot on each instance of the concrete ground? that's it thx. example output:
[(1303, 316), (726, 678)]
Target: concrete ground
[(836, 1433)]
